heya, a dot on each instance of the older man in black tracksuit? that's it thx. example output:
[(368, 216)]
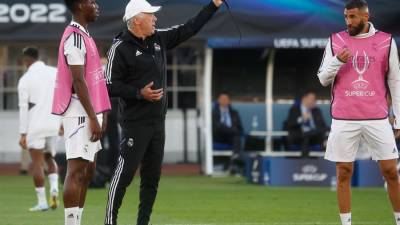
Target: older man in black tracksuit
[(136, 73)]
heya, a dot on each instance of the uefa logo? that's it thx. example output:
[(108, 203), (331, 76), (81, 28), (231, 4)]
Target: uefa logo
[(360, 65), (309, 169)]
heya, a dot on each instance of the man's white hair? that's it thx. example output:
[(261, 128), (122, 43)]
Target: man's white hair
[(129, 23)]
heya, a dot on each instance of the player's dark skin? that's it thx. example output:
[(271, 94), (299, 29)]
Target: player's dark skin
[(80, 171)]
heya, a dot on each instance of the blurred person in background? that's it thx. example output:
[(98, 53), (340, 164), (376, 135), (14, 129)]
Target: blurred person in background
[(228, 131), (38, 127), (305, 124), (362, 65)]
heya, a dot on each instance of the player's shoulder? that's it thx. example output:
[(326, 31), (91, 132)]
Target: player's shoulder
[(51, 69), (24, 80), (119, 41), (76, 40), (377, 31), (383, 34), (119, 46)]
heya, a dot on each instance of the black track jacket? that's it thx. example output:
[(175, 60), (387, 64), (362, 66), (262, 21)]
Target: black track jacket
[(133, 63)]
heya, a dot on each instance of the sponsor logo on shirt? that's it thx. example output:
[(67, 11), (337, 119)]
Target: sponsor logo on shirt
[(157, 47), (130, 142), (360, 62)]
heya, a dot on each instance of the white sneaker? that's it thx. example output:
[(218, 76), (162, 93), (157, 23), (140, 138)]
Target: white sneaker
[(39, 208)]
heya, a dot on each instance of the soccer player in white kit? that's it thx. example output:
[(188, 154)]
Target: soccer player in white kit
[(38, 127), (362, 66)]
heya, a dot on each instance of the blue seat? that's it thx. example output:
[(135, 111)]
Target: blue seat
[(249, 111), (222, 146), (298, 148)]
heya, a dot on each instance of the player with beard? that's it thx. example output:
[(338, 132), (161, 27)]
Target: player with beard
[(362, 66), (81, 97)]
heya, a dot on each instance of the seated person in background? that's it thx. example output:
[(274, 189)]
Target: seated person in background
[(227, 127), (305, 124)]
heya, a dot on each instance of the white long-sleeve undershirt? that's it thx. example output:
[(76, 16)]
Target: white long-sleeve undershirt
[(331, 64)]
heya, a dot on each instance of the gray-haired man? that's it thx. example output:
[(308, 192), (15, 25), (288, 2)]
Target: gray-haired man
[(136, 73)]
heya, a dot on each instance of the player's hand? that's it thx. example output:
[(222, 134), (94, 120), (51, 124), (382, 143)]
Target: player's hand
[(22, 142), (397, 133), (95, 129), (150, 94), (218, 3), (344, 55), (105, 122)]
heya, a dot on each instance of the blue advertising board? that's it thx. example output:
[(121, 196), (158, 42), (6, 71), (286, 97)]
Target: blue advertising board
[(307, 172), (367, 174), (263, 23)]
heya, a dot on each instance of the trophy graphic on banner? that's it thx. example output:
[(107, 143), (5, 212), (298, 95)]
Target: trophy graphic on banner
[(360, 83)]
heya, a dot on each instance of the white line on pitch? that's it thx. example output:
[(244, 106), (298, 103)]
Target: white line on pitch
[(281, 223)]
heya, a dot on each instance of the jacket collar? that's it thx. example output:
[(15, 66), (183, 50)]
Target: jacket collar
[(126, 35)]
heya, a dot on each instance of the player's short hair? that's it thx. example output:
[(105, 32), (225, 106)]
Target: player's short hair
[(356, 4), (71, 4), (224, 93), (307, 92), (31, 51)]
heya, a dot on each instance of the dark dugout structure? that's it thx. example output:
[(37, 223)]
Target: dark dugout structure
[(267, 27)]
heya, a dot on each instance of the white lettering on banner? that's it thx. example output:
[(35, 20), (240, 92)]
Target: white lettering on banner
[(20, 13), (34, 13), (286, 43), (309, 177), (309, 173), (313, 42), (359, 93), (300, 43)]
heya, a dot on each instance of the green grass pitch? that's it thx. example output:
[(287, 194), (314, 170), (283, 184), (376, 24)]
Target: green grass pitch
[(206, 201)]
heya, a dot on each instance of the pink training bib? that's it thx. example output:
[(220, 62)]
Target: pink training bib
[(360, 88), (94, 77)]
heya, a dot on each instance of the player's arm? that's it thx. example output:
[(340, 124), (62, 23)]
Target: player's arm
[(116, 72), (394, 85), (75, 52), (175, 35), (23, 98), (331, 64), (80, 87)]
